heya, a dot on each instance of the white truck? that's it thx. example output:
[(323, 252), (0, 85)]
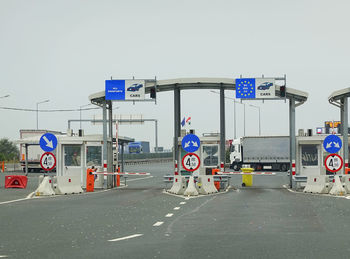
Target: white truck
[(34, 151), (260, 153)]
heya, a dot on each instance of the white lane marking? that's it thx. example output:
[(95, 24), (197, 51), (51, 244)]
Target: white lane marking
[(3, 256), (157, 224), (182, 203), (176, 208), (124, 238), (7, 202), (187, 198), (30, 195), (169, 215)]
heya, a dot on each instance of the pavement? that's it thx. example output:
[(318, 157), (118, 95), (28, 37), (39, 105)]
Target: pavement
[(140, 221)]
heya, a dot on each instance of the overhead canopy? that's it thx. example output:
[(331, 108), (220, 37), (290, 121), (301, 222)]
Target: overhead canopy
[(198, 83), (338, 95)]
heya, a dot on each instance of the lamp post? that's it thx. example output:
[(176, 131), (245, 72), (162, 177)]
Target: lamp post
[(234, 111), (80, 111), (37, 112), (259, 117)]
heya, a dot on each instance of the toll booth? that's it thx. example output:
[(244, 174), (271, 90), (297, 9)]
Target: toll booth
[(311, 156), (74, 154), (208, 152)]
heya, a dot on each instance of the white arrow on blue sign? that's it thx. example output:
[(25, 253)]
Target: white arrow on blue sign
[(332, 144), (190, 143), (48, 142)]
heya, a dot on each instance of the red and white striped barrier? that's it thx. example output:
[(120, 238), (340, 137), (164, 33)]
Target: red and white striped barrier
[(293, 167), (116, 173), (253, 173)]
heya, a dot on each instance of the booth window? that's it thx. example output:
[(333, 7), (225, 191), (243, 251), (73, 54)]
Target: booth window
[(72, 155), (309, 155), (94, 156)]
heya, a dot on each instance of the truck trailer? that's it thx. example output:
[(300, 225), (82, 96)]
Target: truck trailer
[(260, 153)]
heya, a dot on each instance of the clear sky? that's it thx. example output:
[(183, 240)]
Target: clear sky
[(64, 51)]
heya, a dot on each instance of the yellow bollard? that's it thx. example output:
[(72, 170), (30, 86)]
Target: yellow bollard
[(247, 180)]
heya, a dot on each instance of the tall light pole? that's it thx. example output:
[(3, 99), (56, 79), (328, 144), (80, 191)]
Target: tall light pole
[(37, 112), (80, 111), (259, 117), (244, 120)]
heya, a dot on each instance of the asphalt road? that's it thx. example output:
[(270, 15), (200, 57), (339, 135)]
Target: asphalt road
[(264, 221)]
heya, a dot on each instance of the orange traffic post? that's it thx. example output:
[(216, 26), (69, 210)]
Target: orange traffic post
[(90, 180), (3, 166), (215, 171), (347, 170), (118, 177)]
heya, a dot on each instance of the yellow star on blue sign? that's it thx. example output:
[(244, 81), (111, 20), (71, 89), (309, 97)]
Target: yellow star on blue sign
[(245, 88)]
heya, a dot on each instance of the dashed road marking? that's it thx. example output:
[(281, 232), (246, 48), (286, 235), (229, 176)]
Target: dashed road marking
[(125, 238), (169, 215), (3, 256), (183, 202), (157, 224), (176, 208)]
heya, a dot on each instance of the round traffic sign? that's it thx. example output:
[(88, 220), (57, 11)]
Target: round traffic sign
[(48, 161), (191, 162), (333, 163), (332, 144), (190, 143), (48, 142)]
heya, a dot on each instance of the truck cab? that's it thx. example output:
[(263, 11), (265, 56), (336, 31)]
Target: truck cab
[(236, 154)]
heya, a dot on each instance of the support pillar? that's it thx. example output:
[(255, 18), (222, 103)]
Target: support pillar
[(156, 131), (177, 114), (292, 140), (222, 128), (110, 146), (104, 129), (344, 125)]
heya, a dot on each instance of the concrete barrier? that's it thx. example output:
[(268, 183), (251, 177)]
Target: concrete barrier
[(317, 184), (179, 185), (45, 187), (206, 184), (191, 188), (337, 188), (68, 184), (346, 182)]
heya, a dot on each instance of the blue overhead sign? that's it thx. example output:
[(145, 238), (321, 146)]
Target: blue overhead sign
[(115, 90), (190, 143), (332, 144), (245, 88), (48, 142)]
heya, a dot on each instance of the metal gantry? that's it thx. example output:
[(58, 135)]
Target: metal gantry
[(295, 97)]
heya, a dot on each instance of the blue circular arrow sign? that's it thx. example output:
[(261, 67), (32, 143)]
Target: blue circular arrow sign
[(190, 143), (332, 144), (48, 142)]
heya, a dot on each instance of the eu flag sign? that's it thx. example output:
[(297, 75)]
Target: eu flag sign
[(245, 88)]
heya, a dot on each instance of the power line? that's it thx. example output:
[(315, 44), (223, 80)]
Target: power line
[(55, 110)]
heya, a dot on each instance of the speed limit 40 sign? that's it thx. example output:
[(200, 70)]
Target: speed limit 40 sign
[(48, 161), (191, 162), (333, 163)]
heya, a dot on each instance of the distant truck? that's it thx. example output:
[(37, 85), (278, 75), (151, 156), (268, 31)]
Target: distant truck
[(34, 151), (261, 153), (138, 147)]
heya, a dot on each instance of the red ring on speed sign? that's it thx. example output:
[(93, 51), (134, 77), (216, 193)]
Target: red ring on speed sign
[(341, 163), (189, 169), (41, 161)]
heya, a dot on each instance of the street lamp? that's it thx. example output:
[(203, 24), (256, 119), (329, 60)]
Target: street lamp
[(259, 117), (80, 111), (234, 111), (37, 112)]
